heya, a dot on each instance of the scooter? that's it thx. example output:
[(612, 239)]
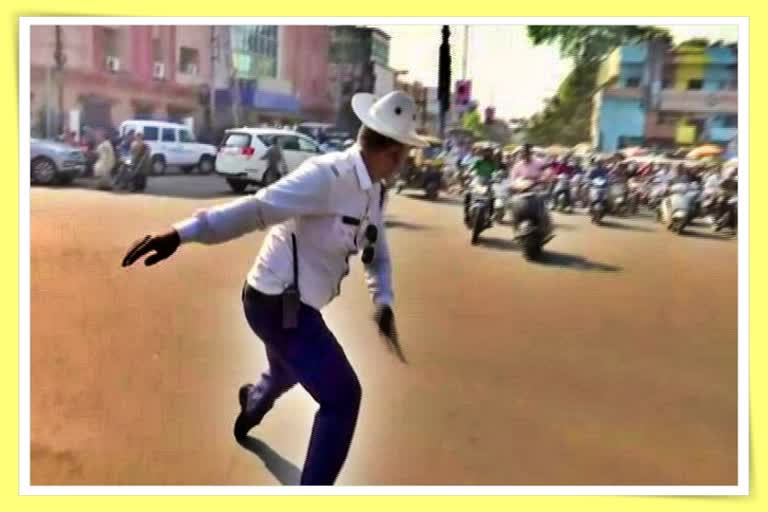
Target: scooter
[(500, 188), (530, 218), (634, 195), (579, 192), (561, 194), (617, 198), (598, 199), (727, 212), (479, 212), (676, 210), (127, 177)]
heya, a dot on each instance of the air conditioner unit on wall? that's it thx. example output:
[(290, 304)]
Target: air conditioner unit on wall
[(158, 71), (113, 64)]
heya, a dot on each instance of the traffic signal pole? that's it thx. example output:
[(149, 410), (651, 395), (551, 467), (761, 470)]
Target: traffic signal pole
[(444, 78)]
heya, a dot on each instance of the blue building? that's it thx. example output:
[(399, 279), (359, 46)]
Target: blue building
[(655, 95)]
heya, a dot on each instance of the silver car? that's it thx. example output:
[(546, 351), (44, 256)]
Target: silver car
[(54, 162)]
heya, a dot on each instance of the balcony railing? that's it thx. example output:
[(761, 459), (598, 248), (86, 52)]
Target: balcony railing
[(624, 92), (699, 101)]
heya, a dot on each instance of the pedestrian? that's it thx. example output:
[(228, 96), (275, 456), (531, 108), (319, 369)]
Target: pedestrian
[(275, 158), (105, 162), (134, 177), (125, 145), (320, 215)]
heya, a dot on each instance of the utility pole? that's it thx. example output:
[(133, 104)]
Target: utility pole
[(59, 59), (466, 53), (212, 87), (444, 78)]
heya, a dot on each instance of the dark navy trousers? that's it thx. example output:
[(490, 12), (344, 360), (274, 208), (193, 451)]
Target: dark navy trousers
[(311, 356)]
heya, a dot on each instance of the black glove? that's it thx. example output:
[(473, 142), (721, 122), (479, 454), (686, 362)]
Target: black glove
[(385, 319), (164, 245)]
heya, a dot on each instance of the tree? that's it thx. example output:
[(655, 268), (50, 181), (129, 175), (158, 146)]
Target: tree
[(593, 42), (566, 118)]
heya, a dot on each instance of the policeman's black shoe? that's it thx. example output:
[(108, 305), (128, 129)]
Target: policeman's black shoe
[(243, 424)]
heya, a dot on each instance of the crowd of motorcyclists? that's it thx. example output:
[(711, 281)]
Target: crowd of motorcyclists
[(677, 191)]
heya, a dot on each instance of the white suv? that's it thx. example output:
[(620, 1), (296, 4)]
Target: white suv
[(172, 144), (240, 158)]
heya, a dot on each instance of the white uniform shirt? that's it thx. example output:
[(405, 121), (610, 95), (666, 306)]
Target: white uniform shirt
[(328, 202)]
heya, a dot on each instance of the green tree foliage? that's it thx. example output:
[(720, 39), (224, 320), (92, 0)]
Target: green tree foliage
[(566, 118)]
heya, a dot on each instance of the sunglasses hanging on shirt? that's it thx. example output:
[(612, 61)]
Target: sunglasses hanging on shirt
[(371, 235)]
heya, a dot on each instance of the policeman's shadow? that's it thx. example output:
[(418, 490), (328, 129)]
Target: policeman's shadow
[(282, 469)]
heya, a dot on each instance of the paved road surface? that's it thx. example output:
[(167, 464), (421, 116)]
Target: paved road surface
[(611, 362)]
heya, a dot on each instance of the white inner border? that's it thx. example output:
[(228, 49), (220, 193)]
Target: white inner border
[(25, 487)]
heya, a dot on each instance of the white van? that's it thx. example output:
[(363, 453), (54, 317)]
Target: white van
[(172, 144), (240, 158)]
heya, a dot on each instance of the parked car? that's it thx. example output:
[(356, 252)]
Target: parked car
[(240, 156), (54, 162), (172, 144), (316, 131)]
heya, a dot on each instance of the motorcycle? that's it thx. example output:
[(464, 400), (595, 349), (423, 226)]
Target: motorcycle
[(617, 198), (579, 191), (597, 199), (500, 188), (479, 214), (657, 193), (530, 218), (676, 209), (634, 195), (727, 211), (561, 194), (127, 177)]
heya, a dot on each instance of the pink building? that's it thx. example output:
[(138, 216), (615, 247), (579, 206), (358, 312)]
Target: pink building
[(114, 73), (304, 62)]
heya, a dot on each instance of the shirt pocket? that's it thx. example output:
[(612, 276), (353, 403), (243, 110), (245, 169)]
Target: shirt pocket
[(345, 231)]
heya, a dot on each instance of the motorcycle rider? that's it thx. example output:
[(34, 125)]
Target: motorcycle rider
[(527, 166), (600, 170), (482, 170)]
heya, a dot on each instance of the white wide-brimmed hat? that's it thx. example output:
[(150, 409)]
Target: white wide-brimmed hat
[(392, 115)]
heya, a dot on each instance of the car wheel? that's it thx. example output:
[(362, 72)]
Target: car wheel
[(206, 164), (237, 186), (43, 171), (158, 165), (65, 179)]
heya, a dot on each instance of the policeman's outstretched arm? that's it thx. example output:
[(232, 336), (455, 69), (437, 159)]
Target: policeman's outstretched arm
[(306, 191)]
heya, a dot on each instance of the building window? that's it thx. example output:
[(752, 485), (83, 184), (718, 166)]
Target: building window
[(695, 84), (379, 49), (632, 82), (157, 49), (667, 119), (260, 43), (189, 60), (730, 121), (110, 42)]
